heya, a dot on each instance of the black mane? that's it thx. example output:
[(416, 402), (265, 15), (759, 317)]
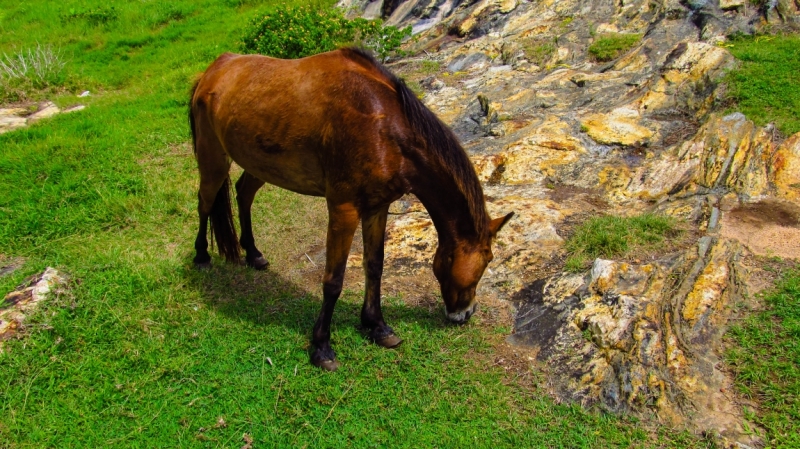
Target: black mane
[(440, 141)]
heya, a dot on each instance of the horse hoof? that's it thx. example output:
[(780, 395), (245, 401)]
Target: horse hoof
[(203, 265), (390, 341), (259, 263), (327, 365)]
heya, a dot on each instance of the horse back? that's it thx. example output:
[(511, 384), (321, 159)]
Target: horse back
[(327, 125)]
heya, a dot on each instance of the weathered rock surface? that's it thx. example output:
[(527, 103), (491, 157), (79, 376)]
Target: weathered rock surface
[(640, 336), (24, 300), (556, 136), (15, 118)]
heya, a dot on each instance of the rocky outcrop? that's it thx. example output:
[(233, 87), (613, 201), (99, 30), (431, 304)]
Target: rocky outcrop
[(557, 135), (15, 118), (640, 336)]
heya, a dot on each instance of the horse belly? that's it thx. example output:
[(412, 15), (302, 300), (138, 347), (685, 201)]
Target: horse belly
[(291, 169)]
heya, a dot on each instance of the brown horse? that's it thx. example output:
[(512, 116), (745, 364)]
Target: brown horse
[(337, 125)]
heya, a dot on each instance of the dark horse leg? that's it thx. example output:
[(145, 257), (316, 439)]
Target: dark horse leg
[(342, 223), (373, 226), (246, 188), (213, 199)]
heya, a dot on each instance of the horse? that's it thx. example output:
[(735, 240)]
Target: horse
[(337, 125)]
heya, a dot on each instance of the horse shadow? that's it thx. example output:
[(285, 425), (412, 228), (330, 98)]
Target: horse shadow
[(268, 298)]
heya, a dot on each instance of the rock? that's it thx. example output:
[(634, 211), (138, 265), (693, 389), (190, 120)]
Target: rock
[(786, 164), (10, 123), (619, 127), (731, 4), (640, 338), (23, 301), (75, 108), (46, 110)]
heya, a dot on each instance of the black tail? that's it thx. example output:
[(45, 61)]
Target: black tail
[(223, 229)]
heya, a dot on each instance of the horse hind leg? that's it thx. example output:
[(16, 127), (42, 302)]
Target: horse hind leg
[(373, 226), (246, 188), (214, 202)]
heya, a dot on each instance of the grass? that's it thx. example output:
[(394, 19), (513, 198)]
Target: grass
[(764, 86), (538, 51), (608, 47), (611, 236), (765, 359), (147, 352)]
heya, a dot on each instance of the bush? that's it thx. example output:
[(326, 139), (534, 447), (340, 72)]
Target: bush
[(295, 32), (610, 46)]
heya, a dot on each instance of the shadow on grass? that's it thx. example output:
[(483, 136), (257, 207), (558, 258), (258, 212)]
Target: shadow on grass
[(267, 298)]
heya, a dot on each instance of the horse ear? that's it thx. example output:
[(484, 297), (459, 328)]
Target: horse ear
[(497, 224)]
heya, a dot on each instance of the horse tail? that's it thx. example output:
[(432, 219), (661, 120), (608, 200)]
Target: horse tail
[(191, 113), (223, 229)]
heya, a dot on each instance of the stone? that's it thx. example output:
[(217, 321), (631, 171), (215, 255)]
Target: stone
[(10, 123), (639, 337), (23, 301), (619, 127), (46, 110), (786, 164), (731, 4)]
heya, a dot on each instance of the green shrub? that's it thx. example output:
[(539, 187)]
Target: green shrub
[(764, 87), (295, 32), (611, 236), (537, 51), (610, 46)]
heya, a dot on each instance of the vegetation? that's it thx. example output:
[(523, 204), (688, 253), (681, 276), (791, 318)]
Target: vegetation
[(764, 87), (608, 47), (145, 351), (537, 51), (31, 70), (765, 359), (295, 32), (611, 236)]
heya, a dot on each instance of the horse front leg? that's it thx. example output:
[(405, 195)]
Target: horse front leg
[(373, 226), (342, 223), (246, 188)]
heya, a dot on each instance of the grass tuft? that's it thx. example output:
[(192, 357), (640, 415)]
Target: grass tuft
[(611, 236), (610, 46), (765, 360), (764, 87)]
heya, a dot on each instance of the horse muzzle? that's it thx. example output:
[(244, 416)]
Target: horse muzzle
[(462, 316)]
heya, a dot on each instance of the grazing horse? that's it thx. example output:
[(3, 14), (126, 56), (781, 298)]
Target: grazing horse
[(341, 126)]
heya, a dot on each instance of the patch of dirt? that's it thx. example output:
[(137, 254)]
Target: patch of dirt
[(768, 228), (9, 265)]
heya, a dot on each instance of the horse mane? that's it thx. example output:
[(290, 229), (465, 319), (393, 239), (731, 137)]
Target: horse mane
[(440, 141)]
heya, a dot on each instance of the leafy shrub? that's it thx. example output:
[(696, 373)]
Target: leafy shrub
[(610, 46), (295, 32)]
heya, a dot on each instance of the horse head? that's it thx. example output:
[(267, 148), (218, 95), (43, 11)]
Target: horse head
[(459, 266)]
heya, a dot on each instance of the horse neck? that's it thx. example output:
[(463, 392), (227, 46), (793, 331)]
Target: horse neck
[(447, 206)]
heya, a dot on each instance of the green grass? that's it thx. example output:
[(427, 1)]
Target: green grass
[(147, 352), (765, 359), (764, 87), (611, 236), (610, 46)]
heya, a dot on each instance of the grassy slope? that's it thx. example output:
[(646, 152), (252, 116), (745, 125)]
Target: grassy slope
[(148, 352), (766, 361), (765, 86)]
